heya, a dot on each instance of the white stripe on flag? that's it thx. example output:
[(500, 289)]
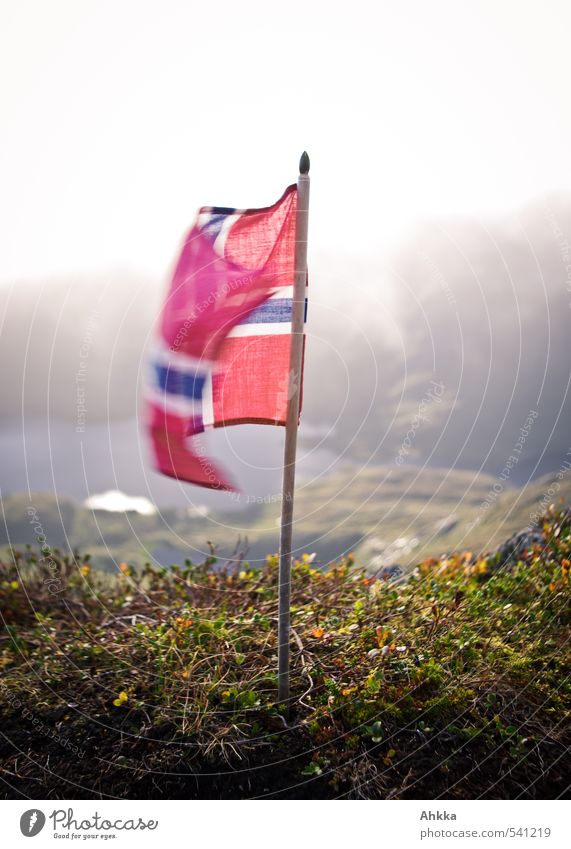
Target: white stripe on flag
[(282, 292), (162, 355), (220, 241), (207, 402), (175, 404), (274, 328), (285, 292)]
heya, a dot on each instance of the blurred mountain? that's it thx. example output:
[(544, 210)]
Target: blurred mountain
[(384, 515)]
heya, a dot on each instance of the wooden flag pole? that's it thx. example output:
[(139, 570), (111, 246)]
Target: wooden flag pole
[(292, 420)]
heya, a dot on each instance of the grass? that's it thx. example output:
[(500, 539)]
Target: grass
[(161, 683)]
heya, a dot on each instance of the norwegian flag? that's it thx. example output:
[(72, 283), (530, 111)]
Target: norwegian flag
[(221, 356)]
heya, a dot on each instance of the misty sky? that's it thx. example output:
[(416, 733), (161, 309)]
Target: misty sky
[(118, 119)]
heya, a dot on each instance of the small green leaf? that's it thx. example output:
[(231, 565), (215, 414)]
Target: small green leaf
[(312, 769), (376, 732)]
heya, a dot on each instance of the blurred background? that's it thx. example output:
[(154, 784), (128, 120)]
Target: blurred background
[(436, 400)]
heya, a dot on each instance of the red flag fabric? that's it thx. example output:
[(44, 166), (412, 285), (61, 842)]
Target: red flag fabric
[(221, 356)]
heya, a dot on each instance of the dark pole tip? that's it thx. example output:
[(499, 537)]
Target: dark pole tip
[(304, 163)]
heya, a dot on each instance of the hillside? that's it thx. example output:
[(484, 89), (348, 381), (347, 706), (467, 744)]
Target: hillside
[(151, 684), (382, 514)]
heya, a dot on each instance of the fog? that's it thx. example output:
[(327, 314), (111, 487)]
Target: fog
[(452, 339)]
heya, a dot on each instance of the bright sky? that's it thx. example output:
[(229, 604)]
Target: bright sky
[(120, 117)]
